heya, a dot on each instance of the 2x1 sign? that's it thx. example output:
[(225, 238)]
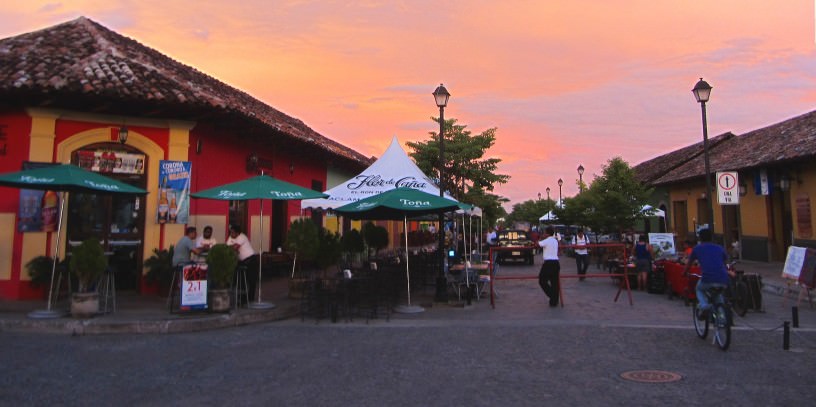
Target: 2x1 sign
[(728, 188)]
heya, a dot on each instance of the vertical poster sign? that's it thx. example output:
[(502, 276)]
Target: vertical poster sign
[(174, 191), (194, 287), (38, 210)]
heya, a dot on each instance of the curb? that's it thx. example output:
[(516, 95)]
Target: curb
[(168, 326)]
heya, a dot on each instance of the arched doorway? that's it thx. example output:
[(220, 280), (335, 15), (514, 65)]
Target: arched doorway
[(118, 221)]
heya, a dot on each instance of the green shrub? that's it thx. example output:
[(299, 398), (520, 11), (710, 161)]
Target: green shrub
[(88, 262), (221, 263)]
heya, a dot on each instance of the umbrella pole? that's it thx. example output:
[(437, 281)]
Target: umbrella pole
[(48, 312), (407, 309), (259, 304)]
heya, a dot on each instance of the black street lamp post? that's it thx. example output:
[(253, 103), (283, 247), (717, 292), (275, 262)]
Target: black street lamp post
[(702, 91), (581, 177), (548, 193), (560, 182), (441, 96)]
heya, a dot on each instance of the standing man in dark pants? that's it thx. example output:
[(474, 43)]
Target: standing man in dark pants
[(548, 276)]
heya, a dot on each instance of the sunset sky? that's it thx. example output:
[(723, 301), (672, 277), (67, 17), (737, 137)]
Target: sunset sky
[(565, 82)]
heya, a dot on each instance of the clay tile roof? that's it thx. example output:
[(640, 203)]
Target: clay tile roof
[(650, 171), (788, 141), (82, 59)]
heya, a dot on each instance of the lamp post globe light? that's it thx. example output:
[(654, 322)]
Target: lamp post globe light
[(702, 91), (581, 177), (441, 97), (560, 183), (548, 193)]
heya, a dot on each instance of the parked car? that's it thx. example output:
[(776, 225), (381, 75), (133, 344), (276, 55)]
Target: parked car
[(519, 241)]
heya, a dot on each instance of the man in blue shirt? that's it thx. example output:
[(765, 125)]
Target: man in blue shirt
[(185, 246), (712, 259)]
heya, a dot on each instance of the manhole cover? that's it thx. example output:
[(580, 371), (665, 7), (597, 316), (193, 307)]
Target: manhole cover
[(651, 376)]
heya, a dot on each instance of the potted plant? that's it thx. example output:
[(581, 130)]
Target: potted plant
[(39, 270), (352, 245), (329, 249), (87, 264), (160, 270), (221, 263), (303, 240), (376, 237)]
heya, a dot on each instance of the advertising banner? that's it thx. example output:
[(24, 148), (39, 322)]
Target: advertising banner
[(111, 162), (174, 191), (662, 244), (194, 287), (38, 210)]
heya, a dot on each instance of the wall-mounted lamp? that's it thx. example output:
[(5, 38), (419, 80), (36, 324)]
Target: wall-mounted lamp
[(252, 162), (291, 167), (198, 146), (743, 189), (784, 182), (123, 134)]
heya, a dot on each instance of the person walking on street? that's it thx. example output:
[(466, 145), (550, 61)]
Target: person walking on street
[(712, 259), (581, 252), (548, 276), (643, 262)]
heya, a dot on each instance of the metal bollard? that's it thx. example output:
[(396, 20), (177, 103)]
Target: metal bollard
[(786, 336), (795, 316)]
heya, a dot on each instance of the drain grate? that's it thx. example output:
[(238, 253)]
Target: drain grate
[(651, 376)]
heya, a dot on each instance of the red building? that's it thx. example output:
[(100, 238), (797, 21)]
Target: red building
[(66, 93)]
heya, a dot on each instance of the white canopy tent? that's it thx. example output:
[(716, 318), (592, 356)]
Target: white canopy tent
[(548, 217), (393, 169), (649, 210)]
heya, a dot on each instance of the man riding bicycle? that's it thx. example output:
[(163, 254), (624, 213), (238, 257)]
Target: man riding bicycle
[(712, 259)]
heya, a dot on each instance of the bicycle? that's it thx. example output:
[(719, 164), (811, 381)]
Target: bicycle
[(719, 316)]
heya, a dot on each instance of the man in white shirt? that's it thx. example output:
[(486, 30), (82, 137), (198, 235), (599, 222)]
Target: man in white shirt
[(548, 276), (204, 243), (246, 256), (581, 253)]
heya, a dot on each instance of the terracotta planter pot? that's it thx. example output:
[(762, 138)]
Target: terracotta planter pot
[(220, 300), (84, 305)]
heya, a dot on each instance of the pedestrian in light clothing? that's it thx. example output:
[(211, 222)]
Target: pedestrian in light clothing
[(548, 276), (581, 252)]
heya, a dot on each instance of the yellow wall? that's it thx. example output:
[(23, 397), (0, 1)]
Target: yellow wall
[(7, 245), (804, 182), (753, 214)]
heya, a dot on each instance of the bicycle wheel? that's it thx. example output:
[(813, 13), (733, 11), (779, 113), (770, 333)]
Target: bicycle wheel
[(700, 326), (740, 299), (721, 318)]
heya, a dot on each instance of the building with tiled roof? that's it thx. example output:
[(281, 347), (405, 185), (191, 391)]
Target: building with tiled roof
[(776, 168), (66, 93)]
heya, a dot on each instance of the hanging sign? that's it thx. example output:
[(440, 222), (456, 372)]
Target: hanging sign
[(727, 188), (194, 287), (174, 191)]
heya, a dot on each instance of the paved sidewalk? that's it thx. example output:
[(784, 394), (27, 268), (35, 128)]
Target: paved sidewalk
[(518, 300)]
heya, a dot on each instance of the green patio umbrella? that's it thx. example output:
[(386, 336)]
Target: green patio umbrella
[(259, 187), (64, 178), (399, 203)]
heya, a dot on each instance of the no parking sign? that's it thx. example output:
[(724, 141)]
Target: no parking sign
[(728, 188)]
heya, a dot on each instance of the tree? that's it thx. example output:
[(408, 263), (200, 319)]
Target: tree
[(529, 211), (465, 165), (469, 177), (611, 203)]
